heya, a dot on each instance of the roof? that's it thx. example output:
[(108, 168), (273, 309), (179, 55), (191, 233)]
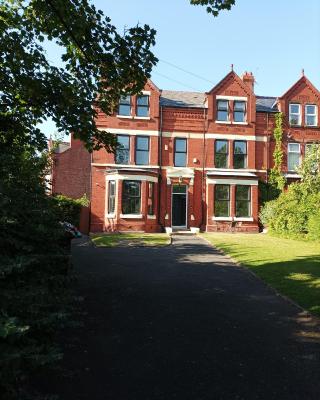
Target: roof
[(172, 98), (62, 147), (266, 104)]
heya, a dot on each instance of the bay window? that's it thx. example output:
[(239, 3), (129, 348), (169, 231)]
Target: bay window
[(131, 197), (243, 201), (222, 201), (111, 196)]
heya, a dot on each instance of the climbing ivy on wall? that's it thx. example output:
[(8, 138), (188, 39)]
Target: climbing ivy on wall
[(276, 177)]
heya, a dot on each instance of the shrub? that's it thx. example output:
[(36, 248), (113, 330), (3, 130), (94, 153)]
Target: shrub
[(69, 209), (314, 226)]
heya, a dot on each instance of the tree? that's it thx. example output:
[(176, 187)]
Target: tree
[(214, 6)]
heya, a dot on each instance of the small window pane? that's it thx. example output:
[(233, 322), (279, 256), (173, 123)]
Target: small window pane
[(294, 147), (179, 189), (151, 198), (310, 120), (143, 106), (180, 160), (294, 108), (125, 106), (143, 100), (181, 145), (243, 201), (293, 161), (111, 196), (123, 150), (240, 147), (221, 154), (131, 200), (222, 201), (239, 111), (222, 110), (142, 143)]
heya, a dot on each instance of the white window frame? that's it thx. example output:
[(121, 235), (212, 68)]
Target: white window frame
[(315, 115), (294, 152), (295, 114)]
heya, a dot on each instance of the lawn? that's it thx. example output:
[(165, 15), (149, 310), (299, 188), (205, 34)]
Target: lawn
[(130, 239), (290, 266)]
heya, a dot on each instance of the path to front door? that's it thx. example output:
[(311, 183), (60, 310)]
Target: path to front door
[(183, 322)]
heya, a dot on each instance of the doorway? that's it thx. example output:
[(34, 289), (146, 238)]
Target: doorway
[(179, 206)]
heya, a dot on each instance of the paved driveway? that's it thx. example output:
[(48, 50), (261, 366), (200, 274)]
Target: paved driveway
[(183, 322)]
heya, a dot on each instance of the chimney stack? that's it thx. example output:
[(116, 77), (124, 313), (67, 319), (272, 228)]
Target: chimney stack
[(248, 79)]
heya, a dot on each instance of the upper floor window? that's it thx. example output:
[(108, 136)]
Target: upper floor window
[(222, 201), (293, 156), (222, 110), (142, 150), (123, 149), (311, 115), (243, 201), (151, 198), (143, 106), (239, 111), (111, 196), (180, 152), (221, 154), (294, 114), (131, 197), (239, 154), (125, 106)]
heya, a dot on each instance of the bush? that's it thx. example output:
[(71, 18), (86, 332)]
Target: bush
[(69, 209), (292, 213), (314, 226)]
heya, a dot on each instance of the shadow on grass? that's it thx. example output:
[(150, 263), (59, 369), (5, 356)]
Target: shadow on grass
[(298, 278)]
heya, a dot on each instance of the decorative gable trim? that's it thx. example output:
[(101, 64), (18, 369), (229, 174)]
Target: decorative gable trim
[(303, 80), (231, 76)]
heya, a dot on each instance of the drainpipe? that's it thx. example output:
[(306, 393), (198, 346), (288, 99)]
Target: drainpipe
[(160, 168), (90, 191), (203, 222)]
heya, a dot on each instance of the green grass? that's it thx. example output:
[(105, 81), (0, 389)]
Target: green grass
[(290, 266), (130, 239)]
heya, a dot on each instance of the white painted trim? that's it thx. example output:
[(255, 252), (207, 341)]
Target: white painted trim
[(131, 216), (146, 118), (221, 97), (194, 229), (288, 175), (243, 219), (221, 218), (209, 135), (125, 116), (130, 131), (313, 115), (146, 92), (130, 166), (231, 172), (222, 122), (111, 216), (239, 123), (253, 182), (151, 216), (121, 177)]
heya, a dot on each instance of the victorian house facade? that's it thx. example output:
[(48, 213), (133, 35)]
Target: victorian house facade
[(189, 160)]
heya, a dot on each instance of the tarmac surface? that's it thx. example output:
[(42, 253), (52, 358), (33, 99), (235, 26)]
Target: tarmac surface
[(184, 322)]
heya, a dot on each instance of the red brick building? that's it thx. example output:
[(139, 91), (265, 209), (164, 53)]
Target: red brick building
[(189, 160)]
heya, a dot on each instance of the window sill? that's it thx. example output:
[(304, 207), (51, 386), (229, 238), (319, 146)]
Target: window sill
[(113, 215), (221, 218), (151, 216), (131, 216), (145, 118), (240, 123), (243, 219), (223, 122), (125, 116)]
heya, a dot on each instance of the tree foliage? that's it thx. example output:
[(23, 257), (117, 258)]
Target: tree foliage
[(296, 212), (214, 6)]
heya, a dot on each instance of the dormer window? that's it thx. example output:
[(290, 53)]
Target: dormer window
[(294, 114), (143, 106), (125, 106), (239, 111), (222, 110), (311, 115)]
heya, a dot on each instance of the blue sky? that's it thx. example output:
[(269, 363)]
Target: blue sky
[(273, 39)]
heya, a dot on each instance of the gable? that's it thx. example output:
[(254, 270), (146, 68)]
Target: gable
[(303, 91), (231, 85)]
